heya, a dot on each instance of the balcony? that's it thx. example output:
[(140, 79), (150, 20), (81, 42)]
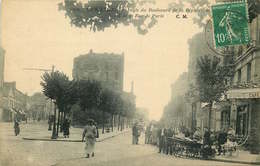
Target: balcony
[(251, 47), (244, 85)]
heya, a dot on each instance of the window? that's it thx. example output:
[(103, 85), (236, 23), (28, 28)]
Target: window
[(239, 76), (248, 72)]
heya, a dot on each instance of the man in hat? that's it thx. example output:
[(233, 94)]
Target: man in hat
[(90, 134)]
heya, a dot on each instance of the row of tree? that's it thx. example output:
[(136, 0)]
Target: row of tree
[(94, 100)]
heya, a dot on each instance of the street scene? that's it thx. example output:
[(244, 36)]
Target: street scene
[(116, 150), (140, 82)]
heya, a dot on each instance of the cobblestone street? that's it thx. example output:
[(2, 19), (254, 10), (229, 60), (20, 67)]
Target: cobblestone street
[(115, 151)]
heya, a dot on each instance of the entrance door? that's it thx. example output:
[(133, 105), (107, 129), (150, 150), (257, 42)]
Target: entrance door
[(242, 120)]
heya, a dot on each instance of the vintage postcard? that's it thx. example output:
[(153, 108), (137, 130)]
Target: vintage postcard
[(129, 82)]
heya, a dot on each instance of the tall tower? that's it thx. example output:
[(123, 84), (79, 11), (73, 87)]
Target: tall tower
[(2, 64)]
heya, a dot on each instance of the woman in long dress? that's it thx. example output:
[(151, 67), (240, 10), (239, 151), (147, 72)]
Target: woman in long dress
[(90, 134)]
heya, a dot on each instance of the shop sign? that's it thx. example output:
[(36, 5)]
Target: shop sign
[(243, 93)]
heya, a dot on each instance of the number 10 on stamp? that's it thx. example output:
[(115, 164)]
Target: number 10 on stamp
[(230, 22)]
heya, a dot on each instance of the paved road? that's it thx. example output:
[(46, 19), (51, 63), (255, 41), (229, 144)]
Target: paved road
[(14, 151)]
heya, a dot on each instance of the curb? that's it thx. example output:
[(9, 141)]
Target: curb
[(232, 161), (59, 140)]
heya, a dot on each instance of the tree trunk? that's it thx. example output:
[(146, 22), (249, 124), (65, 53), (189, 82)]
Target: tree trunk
[(118, 123), (58, 123), (103, 122), (54, 124), (127, 123), (121, 124), (64, 116), (61, 121), (112, 122), (210, 110)]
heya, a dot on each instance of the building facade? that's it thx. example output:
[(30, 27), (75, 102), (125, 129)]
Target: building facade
[(13, 103), (39, 107), (108, 68), (244, 95), (199, 113)]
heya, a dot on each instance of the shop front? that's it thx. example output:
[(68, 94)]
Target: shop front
[(245, 113)]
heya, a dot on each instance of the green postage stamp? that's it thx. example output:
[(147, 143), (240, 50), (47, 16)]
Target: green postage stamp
[(230, 22)]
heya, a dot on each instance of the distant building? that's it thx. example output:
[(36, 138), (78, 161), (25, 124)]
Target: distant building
[(175, 112), (39, 107), (108, 68), (13, 103), (180, 86)]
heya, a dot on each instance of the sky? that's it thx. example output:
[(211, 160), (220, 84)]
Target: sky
[(35, 34)]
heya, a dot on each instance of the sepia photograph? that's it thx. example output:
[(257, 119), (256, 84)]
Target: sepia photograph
[(129, 82)]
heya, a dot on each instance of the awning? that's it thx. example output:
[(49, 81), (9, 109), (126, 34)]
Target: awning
[(248, 93)]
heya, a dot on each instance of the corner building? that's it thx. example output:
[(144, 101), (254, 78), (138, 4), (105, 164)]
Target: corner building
[(108, 68)]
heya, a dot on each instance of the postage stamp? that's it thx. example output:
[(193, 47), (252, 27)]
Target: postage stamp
[(230, 23)]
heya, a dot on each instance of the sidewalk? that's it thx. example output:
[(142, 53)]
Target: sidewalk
[(242, 157), (40, 132)]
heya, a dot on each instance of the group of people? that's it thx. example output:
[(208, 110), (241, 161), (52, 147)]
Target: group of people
[(65, 126), (223, 140), (90, 133)]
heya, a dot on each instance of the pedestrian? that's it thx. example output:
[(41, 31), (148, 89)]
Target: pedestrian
[(148, 134), (90, 135), (231, 133), (154, 136), (50, 122), (161, 136), (168, 135), (222, 139), (66, 128), (135, 134), (207, 150), (16, 128), (197, 135), (95, 123)]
